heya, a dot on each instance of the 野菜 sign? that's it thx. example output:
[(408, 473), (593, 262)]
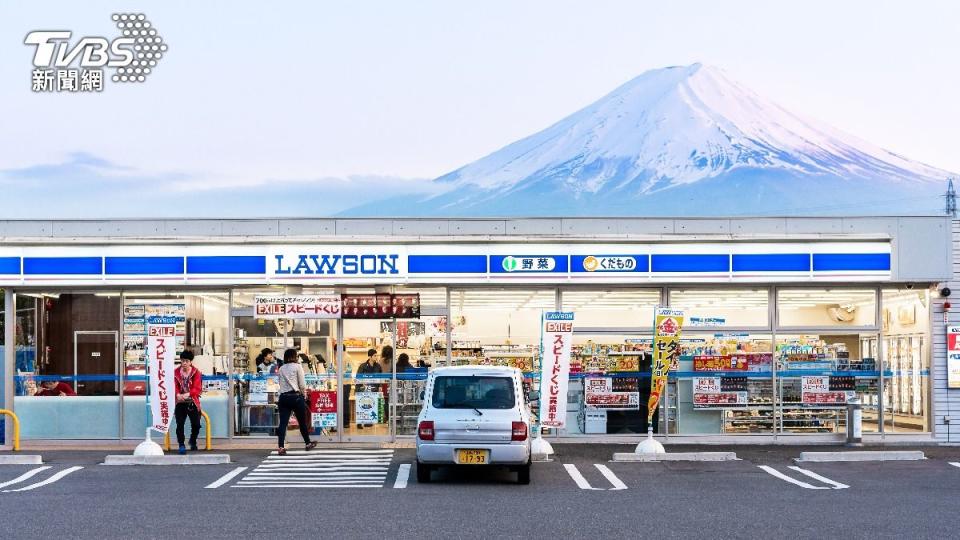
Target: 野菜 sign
[(300, 306), (557, 340)]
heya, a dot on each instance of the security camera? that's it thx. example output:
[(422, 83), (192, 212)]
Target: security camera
[(909, 285), (944, 292)]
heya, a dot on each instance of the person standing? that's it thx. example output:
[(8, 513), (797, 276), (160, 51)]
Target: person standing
[(293, 385), (189, 387), (266, 363)]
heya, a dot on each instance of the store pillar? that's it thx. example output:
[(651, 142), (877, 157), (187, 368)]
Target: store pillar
[(8, 366)]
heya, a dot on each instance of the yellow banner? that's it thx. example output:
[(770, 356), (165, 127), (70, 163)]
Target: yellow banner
[(666, 352)]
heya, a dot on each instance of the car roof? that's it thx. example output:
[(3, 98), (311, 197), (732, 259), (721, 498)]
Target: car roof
[(466, 371)]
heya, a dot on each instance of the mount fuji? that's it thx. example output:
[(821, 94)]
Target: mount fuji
[(681, 141)]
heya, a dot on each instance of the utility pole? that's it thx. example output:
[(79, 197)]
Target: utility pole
[(951, 199)]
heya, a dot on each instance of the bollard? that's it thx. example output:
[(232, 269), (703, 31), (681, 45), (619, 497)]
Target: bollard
[(16, 428), (854, 422), (166, 436)]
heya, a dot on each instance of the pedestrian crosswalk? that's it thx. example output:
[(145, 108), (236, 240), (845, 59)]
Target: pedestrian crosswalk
[(327, 468)]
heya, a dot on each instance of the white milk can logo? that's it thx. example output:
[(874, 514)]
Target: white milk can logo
[(62, 67)]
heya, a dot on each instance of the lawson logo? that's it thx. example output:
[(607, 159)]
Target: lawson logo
[(307, 264)]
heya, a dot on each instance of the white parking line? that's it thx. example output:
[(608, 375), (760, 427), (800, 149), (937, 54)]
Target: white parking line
[(50, 480), (24, 476), (954, 463), (786, 478), (608, 474), (403, 474), (226, 478), (578, 478), (815, 476)]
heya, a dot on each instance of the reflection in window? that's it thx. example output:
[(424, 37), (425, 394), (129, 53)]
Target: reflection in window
[(722, 307), (826, 307)]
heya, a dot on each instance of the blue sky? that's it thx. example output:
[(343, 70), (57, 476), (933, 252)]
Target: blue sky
[(309, 108)]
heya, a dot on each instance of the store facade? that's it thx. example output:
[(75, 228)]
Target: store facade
[(786, 320)]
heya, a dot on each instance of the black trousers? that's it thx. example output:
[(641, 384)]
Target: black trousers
[(292, 403), (180, 412)]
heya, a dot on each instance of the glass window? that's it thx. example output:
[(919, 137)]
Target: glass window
[(612, 308), (735, 308), (724, 384), (202, 328), (473, 393), (817, 375), (71, 390), (905, 327), (826, 307)]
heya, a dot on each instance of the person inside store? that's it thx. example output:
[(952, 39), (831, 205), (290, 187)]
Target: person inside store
[(293, 387), (386, 366), (266, 365), (55, 388), (371, 366), (189, 387), (403, 363)]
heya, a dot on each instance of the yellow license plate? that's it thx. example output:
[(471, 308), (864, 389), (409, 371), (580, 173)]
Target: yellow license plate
[(473, 457)]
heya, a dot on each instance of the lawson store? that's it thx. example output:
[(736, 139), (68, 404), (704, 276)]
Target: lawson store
[(786, 320)]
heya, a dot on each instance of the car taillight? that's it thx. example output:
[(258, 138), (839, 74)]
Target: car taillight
[(425, 430), (519, 431)]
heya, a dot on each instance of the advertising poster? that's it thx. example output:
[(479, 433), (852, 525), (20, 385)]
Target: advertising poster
[(620, 394), (953, 357), (297, 306), (720, 363), (557, 338), (827, 390), (666, 351), (368, 408), (719, 392), (161, 350), (323, 401)]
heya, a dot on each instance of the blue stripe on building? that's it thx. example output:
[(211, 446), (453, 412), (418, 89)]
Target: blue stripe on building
[(447, 264), (772, 262), (144, 265), (690, 263), (9, 265), (642, 263), (518, 264), (824, 262), (228, 264), (67, 266)]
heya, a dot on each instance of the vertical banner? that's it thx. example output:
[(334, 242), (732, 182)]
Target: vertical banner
[(557, 337), (161, 349), (666, 352), (953, 357)]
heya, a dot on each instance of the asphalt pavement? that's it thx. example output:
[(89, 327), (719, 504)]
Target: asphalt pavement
[(354, 493)]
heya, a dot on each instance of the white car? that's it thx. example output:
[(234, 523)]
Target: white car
[(474, 415)]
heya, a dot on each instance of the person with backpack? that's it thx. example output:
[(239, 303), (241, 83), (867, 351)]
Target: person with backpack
[(293, 386)]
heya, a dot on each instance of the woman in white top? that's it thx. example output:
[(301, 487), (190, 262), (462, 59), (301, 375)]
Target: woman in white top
[(293, 384)]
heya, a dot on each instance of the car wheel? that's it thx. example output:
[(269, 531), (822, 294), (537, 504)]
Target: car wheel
[(523, 474), (423, 473)]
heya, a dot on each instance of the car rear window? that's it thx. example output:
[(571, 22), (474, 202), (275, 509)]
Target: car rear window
[(473, 393)]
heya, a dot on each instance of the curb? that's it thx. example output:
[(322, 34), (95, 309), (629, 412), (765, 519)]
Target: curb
[(867, 455), (675, 456), (21, 459), (208, 459)]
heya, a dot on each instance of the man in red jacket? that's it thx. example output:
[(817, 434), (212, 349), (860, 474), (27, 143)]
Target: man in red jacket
[(188, 399), (55, 388)]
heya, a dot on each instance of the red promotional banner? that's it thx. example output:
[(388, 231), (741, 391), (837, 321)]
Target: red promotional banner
[(720, 363), (323, 402)]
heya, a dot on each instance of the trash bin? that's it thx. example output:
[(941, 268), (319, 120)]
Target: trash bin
[(854, 422)]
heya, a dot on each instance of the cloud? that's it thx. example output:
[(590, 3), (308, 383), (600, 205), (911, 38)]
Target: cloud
[(89, 186)]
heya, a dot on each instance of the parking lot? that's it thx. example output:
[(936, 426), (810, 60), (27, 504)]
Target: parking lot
[(362, 492)]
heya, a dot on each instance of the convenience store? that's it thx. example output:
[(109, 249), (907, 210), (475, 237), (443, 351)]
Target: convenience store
[(787, 318)]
